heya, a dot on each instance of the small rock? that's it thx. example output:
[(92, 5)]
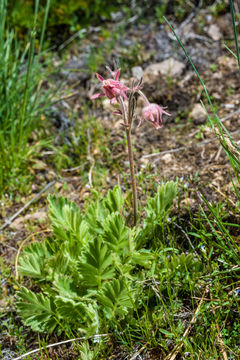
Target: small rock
[(127, 42), (214, 32), (107, 106), (198, 114), (137, 72), (167, 158), (19, 222), (76, 69), (228, 62), (170, 67), (37, 216), (117, 16)]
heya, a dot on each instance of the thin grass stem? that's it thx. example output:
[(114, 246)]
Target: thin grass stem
[(235, 32)]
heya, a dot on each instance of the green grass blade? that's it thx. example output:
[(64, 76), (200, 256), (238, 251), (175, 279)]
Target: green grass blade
[(44, 25), (231, 52), (235, 32)]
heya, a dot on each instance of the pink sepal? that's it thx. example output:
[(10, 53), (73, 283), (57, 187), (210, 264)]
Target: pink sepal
[(96, 96), (100, 78)]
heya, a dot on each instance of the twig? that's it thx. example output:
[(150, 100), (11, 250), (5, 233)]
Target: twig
[(66, 97), (9, 221), (74, 168), (8, 246), (173, 354), (59, 343), (138, 352), (219, 335), (223, 195)]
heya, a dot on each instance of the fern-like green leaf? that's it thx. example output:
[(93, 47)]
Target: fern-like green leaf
[(116, 233), (83, 315), (32, 261), (67, 220), (95, 216), (70, 310), (95, 264), (158, 207), (36, 310), (114, 201), (65, 286), (115, 298), (143, 258)]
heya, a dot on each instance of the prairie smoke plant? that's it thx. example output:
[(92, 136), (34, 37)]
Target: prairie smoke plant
[(153, 114), (125, 98), (111, 88)]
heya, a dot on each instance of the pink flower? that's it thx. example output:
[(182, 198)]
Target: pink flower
[(153, 114), (111, 88)]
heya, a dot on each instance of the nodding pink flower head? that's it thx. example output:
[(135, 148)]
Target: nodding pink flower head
[(111, 88), (153, 114)]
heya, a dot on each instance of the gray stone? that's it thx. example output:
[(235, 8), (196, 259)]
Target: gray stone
[(198, 114), (137, 72), (168, 67), (76, 70), (214, 32)]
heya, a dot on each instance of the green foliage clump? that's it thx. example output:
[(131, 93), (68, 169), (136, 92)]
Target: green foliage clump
[(73, 14), (22, 102), (92, 267)]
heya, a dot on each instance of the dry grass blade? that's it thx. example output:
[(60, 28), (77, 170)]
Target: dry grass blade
[(178, 347), (219, 335), (58, 343), (9, 221)]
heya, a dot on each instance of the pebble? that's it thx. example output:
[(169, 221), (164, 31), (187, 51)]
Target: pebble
[(198, 114), (79, 70), (169, 67), (167, 158), (214, 32), (137, 72)]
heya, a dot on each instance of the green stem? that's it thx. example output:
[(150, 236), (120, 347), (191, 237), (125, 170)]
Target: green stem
[(235, 32)]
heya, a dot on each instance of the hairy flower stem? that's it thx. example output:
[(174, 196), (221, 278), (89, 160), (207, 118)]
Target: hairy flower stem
[(143, 96), (131, 164), (127, 125)]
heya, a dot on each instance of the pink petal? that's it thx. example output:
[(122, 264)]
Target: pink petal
[(164, 112), (96, 96), (117, 74), (100, 78), (117, 112)]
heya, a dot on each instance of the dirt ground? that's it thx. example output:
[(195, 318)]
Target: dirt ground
[(185, 148)]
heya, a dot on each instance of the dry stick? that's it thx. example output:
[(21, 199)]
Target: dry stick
[(130, 157), (9, 221), (173, 354), (58, 343), (219, 335), (138, 353)]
